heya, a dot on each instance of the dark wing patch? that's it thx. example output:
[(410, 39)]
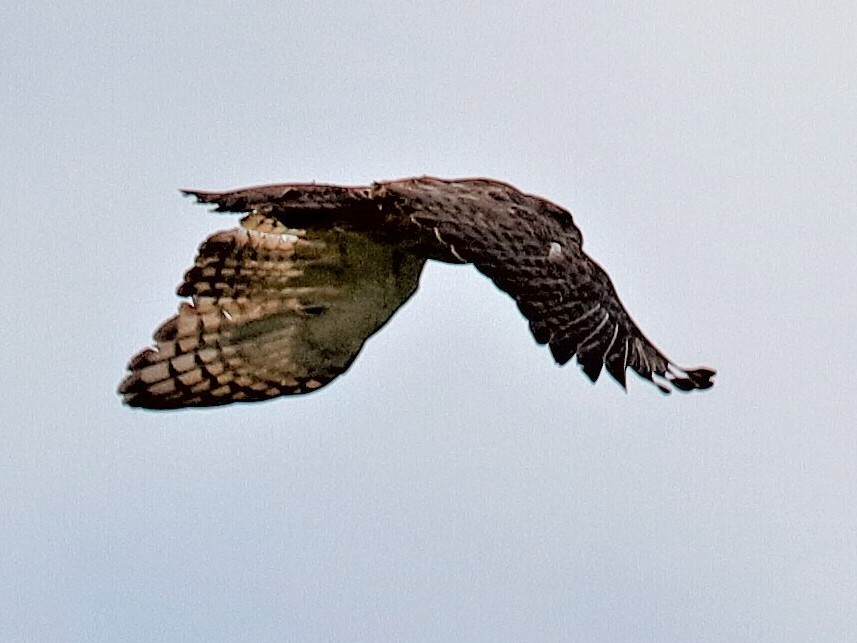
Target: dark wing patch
[(270, 315), (531, 249)]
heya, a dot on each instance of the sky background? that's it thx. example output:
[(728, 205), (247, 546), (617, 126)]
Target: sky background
[(454, 485)]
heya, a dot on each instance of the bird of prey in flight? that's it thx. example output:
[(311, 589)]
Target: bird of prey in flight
[(283, 304)]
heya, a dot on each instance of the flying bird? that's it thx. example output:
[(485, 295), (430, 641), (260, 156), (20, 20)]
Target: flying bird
[(283, 304)]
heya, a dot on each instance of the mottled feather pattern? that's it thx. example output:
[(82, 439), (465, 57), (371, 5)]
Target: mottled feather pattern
[(567, 297), (258, 325), (203, 356), (283, 305)]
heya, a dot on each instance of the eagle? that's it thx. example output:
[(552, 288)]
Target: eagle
[(283, 304)]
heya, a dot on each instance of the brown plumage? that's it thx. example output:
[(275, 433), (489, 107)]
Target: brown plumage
[(282, 305)]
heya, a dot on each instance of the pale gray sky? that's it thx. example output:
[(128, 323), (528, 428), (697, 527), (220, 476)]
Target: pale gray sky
[(455, 484)]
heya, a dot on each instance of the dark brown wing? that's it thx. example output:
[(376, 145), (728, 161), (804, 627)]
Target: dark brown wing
[(270, 315), (531, 249)]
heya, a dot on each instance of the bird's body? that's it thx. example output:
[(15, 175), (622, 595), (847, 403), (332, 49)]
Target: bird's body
[(283, 304)]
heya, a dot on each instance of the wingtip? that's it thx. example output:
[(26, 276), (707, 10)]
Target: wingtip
[(222, 201), (200, 195), (699, 378)]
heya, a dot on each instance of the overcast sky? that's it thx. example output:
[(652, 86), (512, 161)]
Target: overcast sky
[(454, 485)]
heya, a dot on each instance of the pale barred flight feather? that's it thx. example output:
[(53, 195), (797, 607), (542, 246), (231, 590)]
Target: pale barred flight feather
[(283, 305)]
